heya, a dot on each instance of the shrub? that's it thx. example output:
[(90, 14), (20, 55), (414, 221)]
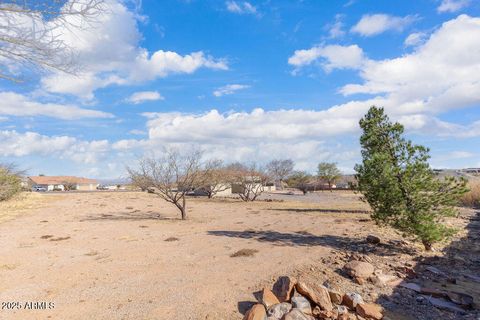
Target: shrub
[(472, 197), (10, 182)]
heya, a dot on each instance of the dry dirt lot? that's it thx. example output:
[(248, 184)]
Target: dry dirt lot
[(110, 255)]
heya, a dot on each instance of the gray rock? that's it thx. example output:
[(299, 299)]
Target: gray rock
[(295, 314), (302, 303), (277, 311)]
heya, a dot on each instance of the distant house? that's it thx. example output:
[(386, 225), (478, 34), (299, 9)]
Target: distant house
[(62, 183)]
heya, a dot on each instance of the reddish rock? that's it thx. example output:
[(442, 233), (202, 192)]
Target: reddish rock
[(267, 298), (283, 288), (369, 311), (317, 293), (351, 300), (257, 312), (359, 269), (335, 296)]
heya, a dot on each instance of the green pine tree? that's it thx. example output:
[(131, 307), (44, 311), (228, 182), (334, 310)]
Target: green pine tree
[(398, 183)]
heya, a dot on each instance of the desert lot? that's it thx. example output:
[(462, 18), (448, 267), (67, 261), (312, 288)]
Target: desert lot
[(108, 255)]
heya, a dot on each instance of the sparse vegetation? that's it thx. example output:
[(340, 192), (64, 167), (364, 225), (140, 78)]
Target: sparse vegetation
[(472, 197), (398, 183), (244, 253), (170, 239), (299, 180), (10, 182)]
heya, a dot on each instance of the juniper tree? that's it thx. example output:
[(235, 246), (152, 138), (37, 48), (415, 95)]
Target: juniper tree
[(398, 183)]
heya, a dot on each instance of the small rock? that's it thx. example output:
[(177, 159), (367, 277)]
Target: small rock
[(302, 303), (295, 314), (283, 288), (373, 239), (359, 269), (317, 293), (267, 298), (369, 310), (383, 279), (412, 286), (432, 292), (360, 281), (461, 298), (335, 296), (277, 311), (351, 300), (257, 312), (446, 305), (342, 310)]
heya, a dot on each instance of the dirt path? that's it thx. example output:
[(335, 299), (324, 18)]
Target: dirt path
[(104, 256)]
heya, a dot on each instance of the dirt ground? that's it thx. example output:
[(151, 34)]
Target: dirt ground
[(109, 255)]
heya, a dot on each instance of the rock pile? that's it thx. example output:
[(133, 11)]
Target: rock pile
[(292, 299)]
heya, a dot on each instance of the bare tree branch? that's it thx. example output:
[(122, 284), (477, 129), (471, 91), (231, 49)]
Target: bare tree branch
[(31, 33)]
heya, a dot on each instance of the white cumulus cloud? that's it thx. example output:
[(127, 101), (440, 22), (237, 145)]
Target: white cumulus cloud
[(329, 57), (142, 96), (370, 25), (14, 104)]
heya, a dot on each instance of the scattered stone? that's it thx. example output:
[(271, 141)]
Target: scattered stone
[(335, 296), (383, 279), (317, 293), (283, 288), (359, 269), (277, 311), (433, 292), (445, 305), (434, 270), (369, 310), (295, 314), (461, 298), (412, 286), (257, 312), (302, 303), (373, 239), (351, 300), (267, 298)]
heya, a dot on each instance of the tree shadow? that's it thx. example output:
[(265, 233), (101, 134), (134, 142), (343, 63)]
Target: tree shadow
[(127, 216), (303, 238), (451, 281), (321, 210)]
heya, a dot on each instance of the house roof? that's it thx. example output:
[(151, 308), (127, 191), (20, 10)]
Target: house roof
[(61, 179)]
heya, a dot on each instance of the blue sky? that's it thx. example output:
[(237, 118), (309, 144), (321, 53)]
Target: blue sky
[(249, 81)]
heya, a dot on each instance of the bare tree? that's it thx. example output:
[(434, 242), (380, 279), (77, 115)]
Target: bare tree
[(280, 170), (171, 176), (31, 33), (248, 181), (215, 179), (69, 185)]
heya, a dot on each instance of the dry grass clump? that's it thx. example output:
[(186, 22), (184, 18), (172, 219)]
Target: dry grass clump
[(472, 198), (244, 253), (20, 203)]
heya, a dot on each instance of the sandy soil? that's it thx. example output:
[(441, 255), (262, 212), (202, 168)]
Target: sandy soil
[(104, 255)]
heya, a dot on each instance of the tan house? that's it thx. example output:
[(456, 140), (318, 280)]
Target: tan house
[(63, 183)]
